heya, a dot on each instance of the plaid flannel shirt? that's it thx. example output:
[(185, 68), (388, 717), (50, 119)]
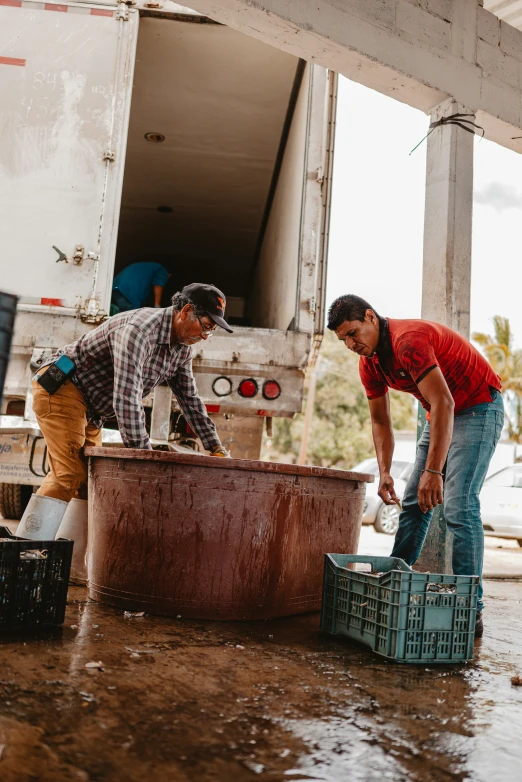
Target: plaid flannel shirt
[(121, 361)]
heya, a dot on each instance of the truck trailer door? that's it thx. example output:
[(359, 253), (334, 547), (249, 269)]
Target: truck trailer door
[(315, 211), (66, 77), (325, 179)]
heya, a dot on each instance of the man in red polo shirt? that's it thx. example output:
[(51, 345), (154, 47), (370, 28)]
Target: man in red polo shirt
[(465, 415)]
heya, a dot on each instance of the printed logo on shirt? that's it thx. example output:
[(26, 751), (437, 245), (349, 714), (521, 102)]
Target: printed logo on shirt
[(402, 373)]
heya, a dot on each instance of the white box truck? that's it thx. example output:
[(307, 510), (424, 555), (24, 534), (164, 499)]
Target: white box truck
[(146, 132)]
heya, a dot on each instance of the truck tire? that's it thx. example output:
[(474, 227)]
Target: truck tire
[(13, 500)]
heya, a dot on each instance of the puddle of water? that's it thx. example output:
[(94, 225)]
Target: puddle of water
[(340, 751)]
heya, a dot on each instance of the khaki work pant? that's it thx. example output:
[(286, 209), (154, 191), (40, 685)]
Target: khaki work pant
[(62, 418)]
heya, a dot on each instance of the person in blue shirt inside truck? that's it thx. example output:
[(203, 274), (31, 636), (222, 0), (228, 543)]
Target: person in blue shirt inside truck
[(133, 286)]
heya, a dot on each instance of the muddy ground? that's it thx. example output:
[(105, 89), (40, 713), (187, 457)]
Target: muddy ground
[(199, 701)]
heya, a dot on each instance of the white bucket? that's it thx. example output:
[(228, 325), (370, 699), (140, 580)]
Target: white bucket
[(41, 518), (74, 527)]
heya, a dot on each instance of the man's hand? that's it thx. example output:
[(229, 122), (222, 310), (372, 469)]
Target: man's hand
[(386, 490), (220, 451), (430, 493)]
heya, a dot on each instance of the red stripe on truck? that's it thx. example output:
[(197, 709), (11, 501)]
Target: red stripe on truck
[(12, 61), (52, 7), (51, 302), (99, 12), (12, 3)]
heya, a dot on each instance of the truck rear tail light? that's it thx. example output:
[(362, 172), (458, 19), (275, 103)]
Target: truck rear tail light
[(271, 389), (222, 386), (247, 388)]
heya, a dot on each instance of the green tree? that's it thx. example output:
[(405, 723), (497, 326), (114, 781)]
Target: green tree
[(507, 363), (340, 434)]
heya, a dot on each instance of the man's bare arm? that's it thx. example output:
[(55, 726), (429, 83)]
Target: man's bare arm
[(435, 390), (158, 292), (384, 444)]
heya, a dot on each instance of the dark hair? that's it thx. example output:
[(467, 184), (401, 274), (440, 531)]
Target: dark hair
[(179, 301), (348, 307)]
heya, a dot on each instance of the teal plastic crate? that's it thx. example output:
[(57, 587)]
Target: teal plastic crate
[(401, 614)]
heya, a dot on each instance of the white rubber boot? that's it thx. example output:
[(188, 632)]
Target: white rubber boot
[(41, 518), (74, 527)]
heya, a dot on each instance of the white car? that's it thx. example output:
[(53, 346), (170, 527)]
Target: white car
[(501, 504), (385, 518)]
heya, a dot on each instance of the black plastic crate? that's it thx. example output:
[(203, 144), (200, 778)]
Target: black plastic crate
[(7, 318), (33, 587)]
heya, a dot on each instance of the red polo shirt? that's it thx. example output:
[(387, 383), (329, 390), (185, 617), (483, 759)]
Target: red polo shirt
[(409, 349)]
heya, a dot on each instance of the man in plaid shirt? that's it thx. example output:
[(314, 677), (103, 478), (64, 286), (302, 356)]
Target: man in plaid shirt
[(117, 364)]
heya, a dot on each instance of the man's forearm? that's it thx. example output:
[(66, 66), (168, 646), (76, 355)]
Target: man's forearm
[(383, 440), (158, 292), (384, 444), (441, 430)]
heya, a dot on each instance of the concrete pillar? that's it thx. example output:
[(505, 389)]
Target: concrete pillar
[(446, 276), (446, 283)]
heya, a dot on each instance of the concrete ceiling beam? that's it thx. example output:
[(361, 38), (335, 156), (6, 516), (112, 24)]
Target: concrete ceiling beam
[(420, 52)]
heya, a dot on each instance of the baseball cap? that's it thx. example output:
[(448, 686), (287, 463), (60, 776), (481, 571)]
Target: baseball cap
[(210, 299)]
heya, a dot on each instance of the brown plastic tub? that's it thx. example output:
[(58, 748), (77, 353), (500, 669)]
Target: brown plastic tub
[(210, 538)]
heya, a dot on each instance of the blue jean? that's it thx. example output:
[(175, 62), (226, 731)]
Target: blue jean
[(476, 432), (120, 301)]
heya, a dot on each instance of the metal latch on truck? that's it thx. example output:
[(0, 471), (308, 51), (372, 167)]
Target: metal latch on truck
[(78, 255)]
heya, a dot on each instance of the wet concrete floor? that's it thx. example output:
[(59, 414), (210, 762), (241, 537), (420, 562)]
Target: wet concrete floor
[(193, 701)]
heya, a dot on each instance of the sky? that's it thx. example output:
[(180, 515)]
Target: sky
[(377, 214)]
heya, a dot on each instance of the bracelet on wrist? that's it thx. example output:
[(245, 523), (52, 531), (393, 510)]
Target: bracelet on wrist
[(435, 472)]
